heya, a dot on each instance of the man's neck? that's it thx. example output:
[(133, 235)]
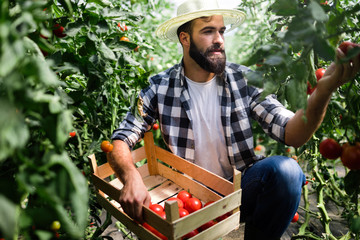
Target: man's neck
[(195, 72)]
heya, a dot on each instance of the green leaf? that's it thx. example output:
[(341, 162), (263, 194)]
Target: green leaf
[(106, 52), (323, 48), (296, 94), (255, 79), (103, 3), (9, 214), (14, 132), (64, 126), (274, 60), (285, 7), (317, 12), (74, 224), (355, 224)]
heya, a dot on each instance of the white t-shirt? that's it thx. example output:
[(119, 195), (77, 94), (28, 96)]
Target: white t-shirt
[(210, 147)]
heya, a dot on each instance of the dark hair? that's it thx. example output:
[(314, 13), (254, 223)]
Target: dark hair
[(186, 27)]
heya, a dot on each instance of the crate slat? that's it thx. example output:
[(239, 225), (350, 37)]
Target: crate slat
[(212, 180), (198, 190), (220, 229), (164, 191), (138, 154)]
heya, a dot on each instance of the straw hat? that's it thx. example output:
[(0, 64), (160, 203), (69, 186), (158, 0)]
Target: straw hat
[(192, 9)]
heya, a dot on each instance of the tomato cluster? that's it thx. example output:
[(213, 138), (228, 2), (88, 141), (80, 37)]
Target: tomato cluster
[(349, 154), (187, 204)]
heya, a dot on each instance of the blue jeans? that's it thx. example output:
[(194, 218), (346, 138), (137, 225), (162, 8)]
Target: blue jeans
[(271, 192)]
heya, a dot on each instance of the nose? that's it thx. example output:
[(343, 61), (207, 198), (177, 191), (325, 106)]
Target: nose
[(218, 38)]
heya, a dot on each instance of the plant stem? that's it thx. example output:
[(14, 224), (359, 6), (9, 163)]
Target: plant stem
[(101, 229), (305, 224)]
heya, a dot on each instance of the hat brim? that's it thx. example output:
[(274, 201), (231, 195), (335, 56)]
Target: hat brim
[(168, 29)]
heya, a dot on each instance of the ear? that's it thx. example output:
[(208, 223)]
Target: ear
[(184, 39)]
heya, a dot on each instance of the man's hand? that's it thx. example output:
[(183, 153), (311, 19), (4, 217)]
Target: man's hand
[(340, 72), (134, 195)]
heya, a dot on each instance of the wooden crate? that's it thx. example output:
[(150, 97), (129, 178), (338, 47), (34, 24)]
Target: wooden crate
[(166, 180)]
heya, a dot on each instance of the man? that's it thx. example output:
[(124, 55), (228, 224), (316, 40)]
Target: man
[(204, 107)]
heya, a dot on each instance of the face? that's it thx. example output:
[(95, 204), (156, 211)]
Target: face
[(207, 44)]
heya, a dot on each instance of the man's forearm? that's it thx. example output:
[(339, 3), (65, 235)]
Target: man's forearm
[(303, 125), (120, 160)]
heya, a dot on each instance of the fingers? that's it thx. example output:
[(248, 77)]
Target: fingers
[(133, 204), (349, 69)]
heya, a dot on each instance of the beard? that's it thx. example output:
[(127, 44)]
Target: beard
[(208, 60)]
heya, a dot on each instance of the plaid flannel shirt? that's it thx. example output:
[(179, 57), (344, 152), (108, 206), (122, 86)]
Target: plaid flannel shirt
[(167, 99)]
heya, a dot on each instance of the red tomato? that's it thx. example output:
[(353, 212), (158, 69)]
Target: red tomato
[(184, 195), (344, 46), (183, 212), (330, 148), (154, 231), (208, 203), (224, 216), (206, 225), (310, 89), (319, 73), (163, 215), (157, 208), (295, 218), (58, 31), (156, 126), (350, 156), (122, 27), (72, 134), (192, 204), (180, 203), (190, 234)]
